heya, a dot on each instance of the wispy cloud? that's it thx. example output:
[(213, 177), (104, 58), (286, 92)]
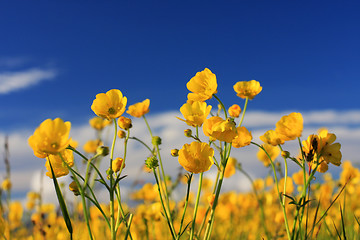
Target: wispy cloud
[(12, 81)]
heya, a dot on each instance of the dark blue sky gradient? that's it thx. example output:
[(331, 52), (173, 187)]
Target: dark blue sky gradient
[(305, 54)]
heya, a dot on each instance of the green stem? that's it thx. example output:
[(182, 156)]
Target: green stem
[(222, 105), (112, 189), (243, 112), (196, 206)]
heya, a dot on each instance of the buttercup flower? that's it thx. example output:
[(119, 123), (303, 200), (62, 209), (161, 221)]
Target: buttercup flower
[(51, 137), (99, 123), (243, 137), (219, 129), (203, 85), (271, 150), (322, 149), (271, 137), (195, 113), (139, 109), (59, 167), (234, 111), (290, 127), (247, 89), (109, 105), (196, 157)]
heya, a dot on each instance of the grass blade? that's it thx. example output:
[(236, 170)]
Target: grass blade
[(61, 202)]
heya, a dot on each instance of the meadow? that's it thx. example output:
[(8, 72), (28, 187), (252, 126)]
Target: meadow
[(308, 204)]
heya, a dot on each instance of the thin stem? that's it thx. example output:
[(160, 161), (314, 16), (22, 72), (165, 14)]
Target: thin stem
[(112, 189), (244, 110), (196, 206), (222, 105)]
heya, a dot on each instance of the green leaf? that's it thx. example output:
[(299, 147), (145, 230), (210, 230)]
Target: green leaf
[(61, 202)]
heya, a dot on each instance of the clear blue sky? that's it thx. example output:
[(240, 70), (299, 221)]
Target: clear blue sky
[(305, 54)]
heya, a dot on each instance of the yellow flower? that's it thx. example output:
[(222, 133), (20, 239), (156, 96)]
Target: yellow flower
[(271, 137), (330, 151), (139, 109), (322, 148), (117, 163), (230, 167), (219, 129), (196, 157), (234, 111), (124, 123), (109, 105), (59, 167), (51, 137), (15, 214), (290, 127), (203, 85), (91, 146), (247, 89), (195, 113), (6, 184), (271, 150), (99, 123), (243, 137)]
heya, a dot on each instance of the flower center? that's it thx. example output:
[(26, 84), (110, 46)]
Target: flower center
[(111, 110)]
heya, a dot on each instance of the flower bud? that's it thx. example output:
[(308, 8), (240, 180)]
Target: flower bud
[(102, 150), (234, 111), (156, 140), (109, 171), (175, 152), (117, 163), (152, 162), (74, 188), (188, 133), (285, 154), (121, 134), (124, 123)]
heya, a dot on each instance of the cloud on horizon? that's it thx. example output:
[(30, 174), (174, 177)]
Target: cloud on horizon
[(26, 167), (15, 80)]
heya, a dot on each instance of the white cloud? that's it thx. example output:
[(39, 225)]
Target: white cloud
[(12, 81), (26, 167)]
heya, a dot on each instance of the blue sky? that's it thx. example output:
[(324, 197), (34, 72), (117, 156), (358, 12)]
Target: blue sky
[(55, 56), (305, 54)]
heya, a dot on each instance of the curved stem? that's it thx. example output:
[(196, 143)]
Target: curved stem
[(222, 105), (244, 111)]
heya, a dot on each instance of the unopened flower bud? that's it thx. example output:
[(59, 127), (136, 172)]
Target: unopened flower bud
[(102, 150), (121, 134), (175, 152), (74, 188), (117, 163), (234, 111), (156, 140), (124, 123), (109, 171), (152, 162), (285, 154), (188, 133)]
